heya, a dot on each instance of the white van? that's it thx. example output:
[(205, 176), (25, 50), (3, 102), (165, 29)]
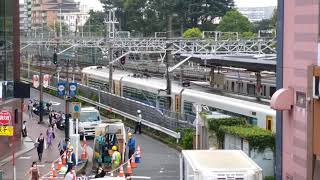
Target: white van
[(89, 119)]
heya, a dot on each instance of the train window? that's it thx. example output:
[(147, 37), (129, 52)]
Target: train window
[(269, 123), (232, 86), (251, 89), (253, 121), (272, 90)]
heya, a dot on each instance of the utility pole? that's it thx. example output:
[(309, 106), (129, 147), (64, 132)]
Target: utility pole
[(67, 123)]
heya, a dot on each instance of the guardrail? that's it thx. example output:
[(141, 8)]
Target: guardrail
[(145, 122)]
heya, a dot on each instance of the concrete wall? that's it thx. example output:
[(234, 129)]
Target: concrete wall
[(299, 51)]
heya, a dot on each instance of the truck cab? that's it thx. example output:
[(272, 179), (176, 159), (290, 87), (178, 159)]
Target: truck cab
[(89, 119)]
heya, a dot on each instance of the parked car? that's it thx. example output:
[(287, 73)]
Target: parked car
[(45, 106)]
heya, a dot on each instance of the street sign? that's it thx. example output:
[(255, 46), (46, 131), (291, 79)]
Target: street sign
[(6, 130), (73, 89), (76, 109), (61, 88), (35, 80), (5, 118), (46, 78)]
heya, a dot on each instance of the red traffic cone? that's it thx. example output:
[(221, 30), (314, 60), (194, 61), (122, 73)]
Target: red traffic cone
[(138, 155), (133, 162), (64, 158), (129, 170), (84, 153), (53, 170), (51, 175), (59, 164), (121, 172)]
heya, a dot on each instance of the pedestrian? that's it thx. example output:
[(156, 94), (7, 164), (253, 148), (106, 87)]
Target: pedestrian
[(62, 146), (30, 109), (138, 123), (71, 175), (50, 118), (50, 136), (71, 158), (83, 176), (100, 172), (24, 129), (131, 145), (34, 173), (116, 158), (40, 146)]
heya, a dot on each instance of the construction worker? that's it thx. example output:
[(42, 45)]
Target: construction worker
[(71, 159), (116, 158), (138, 123), (131, 145)]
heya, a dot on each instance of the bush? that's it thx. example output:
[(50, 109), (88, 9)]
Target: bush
[(269, 178), (248, 35), (192, 33), (258, 138), (187, 138)]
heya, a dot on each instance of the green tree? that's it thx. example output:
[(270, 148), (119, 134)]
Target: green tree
[(264, 24), (274, 18), (234, 21), (95, 22), (56, 27), (192, 33)]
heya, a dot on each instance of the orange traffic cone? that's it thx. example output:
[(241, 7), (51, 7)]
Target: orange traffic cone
[(129, 170), (51, 175), (138, 155), (64, 158), (59, 164), (133, 162), (121, 173), (84, 153), (53, 170)]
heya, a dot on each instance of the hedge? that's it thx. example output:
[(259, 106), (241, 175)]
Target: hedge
[(258, 138)]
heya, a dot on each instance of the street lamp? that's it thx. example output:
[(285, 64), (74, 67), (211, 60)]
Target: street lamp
[(69, 66), (41, 61)]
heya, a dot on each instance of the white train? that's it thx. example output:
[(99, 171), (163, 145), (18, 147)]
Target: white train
[(150, 91)]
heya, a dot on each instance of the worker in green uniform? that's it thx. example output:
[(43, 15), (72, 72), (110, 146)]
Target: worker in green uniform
[(116, 158)]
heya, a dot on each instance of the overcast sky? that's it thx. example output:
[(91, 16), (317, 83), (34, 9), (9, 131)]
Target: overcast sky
[(255, 3)]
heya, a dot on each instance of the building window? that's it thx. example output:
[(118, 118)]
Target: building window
[(6, 39)]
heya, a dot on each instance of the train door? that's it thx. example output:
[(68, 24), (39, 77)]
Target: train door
[(117, 89), (269, 120)]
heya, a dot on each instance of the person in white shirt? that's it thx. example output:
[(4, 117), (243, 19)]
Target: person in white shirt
[(24, 129), (138, 125)]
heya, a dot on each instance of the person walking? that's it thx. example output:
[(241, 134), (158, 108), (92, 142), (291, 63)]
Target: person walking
[(24, 129), (71, 175), (138, 123), (50, 136), (34, 173), (40, 146), (30, 109), (71, 159), (131, 145), (62, 146)]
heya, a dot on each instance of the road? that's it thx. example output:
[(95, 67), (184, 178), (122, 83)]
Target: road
[(158, 160)]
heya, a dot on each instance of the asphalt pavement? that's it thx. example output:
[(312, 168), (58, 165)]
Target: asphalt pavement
[(158, 160)]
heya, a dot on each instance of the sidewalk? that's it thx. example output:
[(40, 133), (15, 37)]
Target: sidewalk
[(26, 156)]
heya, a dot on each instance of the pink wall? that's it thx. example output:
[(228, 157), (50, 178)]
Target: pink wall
[(300, 51)]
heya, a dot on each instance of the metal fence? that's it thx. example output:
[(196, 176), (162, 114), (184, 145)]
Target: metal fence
[(168, 122)]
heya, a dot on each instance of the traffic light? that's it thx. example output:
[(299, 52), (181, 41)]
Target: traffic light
[(55, 58), (123, 60)]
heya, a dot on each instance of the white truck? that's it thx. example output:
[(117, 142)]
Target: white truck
[(89, 119), (218, 165)]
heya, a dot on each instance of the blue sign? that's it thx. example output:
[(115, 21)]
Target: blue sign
[(61, 88), (73, 89)]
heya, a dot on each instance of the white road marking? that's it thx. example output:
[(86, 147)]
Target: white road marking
[(140, 177), (25, 157), (41, 165)]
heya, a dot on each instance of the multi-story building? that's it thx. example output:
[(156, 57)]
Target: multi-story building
[(10, 70), (257, 13), (74, 20), (25, 16), (45, 12)]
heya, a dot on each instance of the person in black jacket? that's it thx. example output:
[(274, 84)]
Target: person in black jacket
[(40, 146), (100, 172)]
